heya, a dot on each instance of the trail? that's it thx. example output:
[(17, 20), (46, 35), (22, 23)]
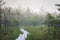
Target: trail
[(24, 35)]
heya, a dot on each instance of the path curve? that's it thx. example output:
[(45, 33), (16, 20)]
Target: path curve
[(24, 35)]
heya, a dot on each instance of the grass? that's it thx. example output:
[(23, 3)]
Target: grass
[(37, 33), (40, 33), (12, 34)]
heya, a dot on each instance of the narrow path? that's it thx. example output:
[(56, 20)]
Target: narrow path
[(24, 35)]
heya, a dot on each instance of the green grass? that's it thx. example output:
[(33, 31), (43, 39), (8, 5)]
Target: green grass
[(40, 33), (12, 34), (36, 33)]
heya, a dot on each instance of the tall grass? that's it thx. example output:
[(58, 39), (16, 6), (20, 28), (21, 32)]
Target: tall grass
[(12, 34), (41, 33)]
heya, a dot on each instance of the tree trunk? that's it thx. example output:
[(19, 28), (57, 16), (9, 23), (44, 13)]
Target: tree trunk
[(0, 17)]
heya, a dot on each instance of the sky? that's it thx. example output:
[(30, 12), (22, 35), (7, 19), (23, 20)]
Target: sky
[(34, 5)]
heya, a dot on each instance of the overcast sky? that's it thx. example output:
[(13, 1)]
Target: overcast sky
[(34, 5)]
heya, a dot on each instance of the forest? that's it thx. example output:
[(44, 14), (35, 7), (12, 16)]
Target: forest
[(41, 26)]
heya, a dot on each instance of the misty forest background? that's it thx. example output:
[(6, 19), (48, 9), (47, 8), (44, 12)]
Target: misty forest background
[(44, 26)]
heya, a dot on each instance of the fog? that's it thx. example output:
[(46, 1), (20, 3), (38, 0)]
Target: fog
[(34, 5)]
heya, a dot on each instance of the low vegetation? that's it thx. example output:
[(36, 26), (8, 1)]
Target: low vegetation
[(11, 34), (41, 33)]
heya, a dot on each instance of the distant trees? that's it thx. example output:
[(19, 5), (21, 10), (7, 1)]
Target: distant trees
[(54, 23), (58, 20), (32, 19), (52, 20), (9, 17), (1, 4)]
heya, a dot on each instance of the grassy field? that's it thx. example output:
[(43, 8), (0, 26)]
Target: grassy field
[(40, 33)]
